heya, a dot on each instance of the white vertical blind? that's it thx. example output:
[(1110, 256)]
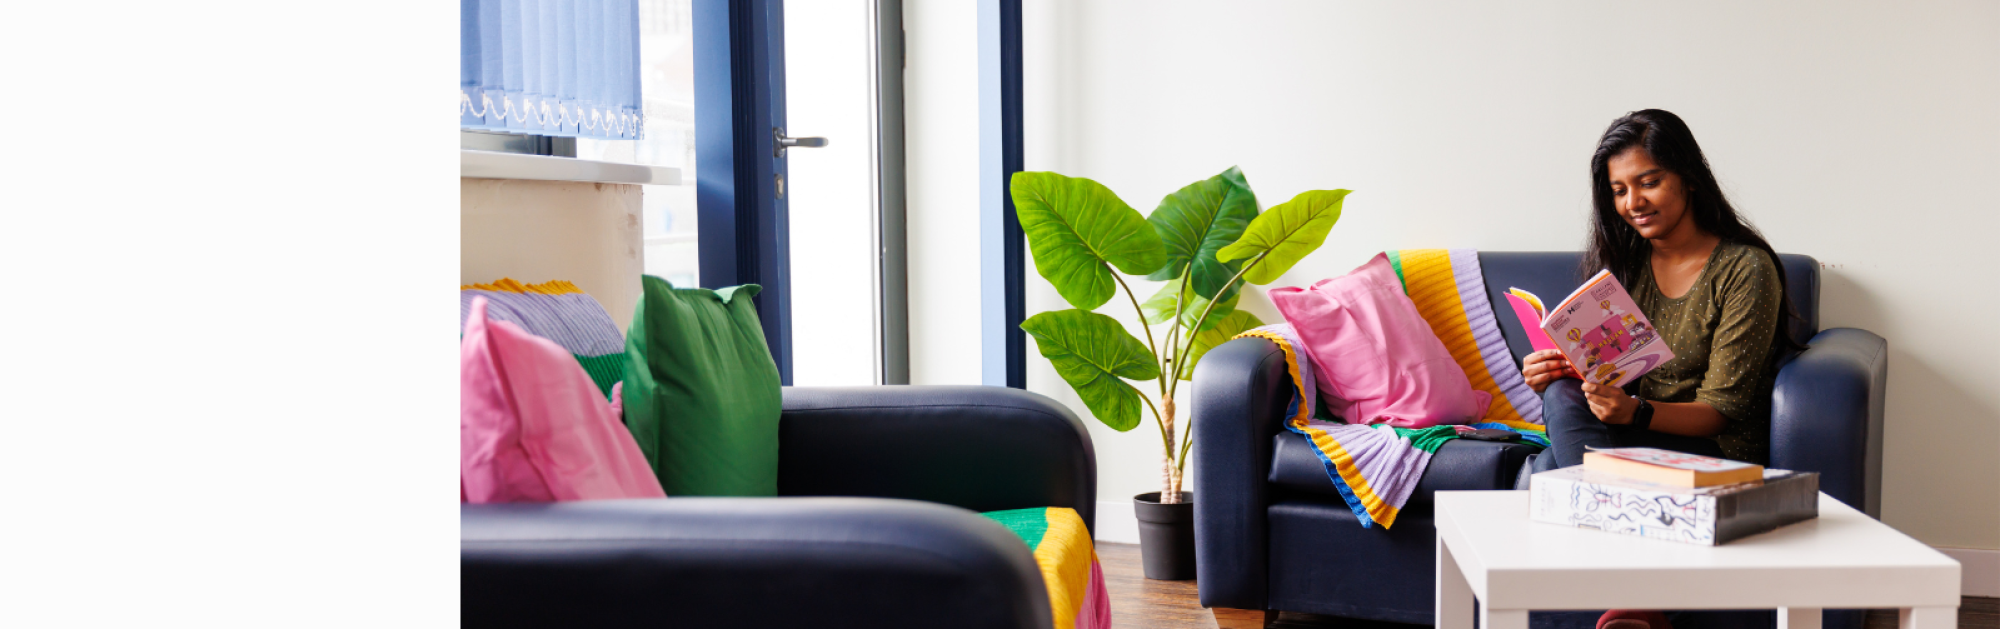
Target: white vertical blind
[(550, 67)]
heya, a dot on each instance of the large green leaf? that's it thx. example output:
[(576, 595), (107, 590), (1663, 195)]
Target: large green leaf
[(1076, 226), (1160, 307), (1288, 232), (1236, 323), (1200, 219), (1092, 352)]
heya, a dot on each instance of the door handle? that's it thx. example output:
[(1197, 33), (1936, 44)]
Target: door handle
[(782, 142)]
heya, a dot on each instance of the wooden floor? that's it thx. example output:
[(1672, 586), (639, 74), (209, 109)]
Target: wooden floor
[(1141, 603)]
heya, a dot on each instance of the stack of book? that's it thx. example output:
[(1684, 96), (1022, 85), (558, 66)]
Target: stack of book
[(1672, 495)]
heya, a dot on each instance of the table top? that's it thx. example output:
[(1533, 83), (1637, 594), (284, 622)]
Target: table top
[(1841, 553)]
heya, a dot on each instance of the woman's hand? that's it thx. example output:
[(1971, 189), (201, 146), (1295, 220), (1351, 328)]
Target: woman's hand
[(1610, 404), (1544, 367)]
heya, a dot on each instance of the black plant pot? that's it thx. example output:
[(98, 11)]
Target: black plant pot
[(1166, 536)]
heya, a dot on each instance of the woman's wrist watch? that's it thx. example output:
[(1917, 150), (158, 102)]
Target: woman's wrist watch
[(1642, 417)]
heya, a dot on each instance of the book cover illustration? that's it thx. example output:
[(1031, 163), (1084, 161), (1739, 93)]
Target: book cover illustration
[(1598, 501), (1598, 328), (1574, 496)]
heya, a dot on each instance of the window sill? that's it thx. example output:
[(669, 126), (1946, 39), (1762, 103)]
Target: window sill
[(491, 165)]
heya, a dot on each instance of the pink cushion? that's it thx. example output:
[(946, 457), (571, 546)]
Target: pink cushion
[(533, 427), (1375, 359)]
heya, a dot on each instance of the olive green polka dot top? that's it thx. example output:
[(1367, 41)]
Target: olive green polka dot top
[(1723, 332)]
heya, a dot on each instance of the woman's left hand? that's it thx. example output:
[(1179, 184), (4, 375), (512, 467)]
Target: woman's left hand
[(1610, 404)]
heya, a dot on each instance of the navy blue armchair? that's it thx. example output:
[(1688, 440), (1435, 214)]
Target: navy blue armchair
[(1272, 533), (900, 545)]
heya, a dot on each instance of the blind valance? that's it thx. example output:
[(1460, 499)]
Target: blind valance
[(550, 67)]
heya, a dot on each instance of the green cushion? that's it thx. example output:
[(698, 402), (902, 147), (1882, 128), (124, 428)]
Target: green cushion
[(701, 391)]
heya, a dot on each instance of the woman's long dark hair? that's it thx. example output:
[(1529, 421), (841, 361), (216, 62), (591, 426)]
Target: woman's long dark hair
[(1615, 245)]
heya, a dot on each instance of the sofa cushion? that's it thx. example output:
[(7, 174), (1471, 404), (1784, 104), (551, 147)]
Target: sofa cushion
[(702, 392), (1375, 358), (532, 427), (1460, 464)]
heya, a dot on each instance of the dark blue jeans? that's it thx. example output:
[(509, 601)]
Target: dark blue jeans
[(1573, 428)]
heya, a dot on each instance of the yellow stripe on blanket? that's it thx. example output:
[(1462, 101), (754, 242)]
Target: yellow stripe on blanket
[(1065, 555), (1343, 462), (1383, 512), (510, 285), (1428, 278)]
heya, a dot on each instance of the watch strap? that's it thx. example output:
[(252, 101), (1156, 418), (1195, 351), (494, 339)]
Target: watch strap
[(1642, 417)]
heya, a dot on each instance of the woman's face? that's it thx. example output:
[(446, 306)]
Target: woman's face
[(1650, 198)]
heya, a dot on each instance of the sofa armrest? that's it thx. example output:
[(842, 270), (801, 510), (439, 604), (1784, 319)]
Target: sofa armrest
[(982, 448), (1241, 390), (1826, 415), (731, 562)]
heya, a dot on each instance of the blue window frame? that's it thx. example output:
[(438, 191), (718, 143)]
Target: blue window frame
[(1003, 300), (739, 75)]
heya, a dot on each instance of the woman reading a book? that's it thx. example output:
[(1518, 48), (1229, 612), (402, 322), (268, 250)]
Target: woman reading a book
[(1711, 286)]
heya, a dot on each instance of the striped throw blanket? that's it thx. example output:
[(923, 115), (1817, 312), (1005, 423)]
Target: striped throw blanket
[(560, 312), (1450, 293), (1063, 550), (1377, 467)]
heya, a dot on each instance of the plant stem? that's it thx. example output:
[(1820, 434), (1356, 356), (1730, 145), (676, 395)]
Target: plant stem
[(1173, 475), (1169, 463), (1168, 468), (1185, 445), (1211, 308), (1187, 440), (1174, 325), (1142, 325), (1165, 441)]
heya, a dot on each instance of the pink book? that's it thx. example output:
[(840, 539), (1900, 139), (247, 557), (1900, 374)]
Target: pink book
[(1598, 328)]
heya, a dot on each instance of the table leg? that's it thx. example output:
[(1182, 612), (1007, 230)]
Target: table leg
[(1454, 595), (1503, 619), (1927, 617), (1798, 617)]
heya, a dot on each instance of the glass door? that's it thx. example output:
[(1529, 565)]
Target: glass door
[(833, 192)]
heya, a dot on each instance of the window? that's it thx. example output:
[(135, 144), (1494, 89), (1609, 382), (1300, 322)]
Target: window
[(666, 86)]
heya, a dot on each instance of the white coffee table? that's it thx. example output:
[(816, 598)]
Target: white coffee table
[(1489, 550)]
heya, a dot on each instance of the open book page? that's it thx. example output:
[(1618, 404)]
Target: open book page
[(1604, 335), (1528, 308)]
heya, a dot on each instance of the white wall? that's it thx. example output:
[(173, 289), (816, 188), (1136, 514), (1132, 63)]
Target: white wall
[(536, 231), (1864, 134)]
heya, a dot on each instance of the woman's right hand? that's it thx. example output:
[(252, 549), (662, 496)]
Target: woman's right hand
[(1544, 367)]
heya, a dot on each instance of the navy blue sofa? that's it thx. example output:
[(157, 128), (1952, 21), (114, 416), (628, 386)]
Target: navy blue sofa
[(1272, 533), (900, 546)]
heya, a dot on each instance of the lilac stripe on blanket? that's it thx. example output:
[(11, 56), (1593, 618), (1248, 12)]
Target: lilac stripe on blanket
[(1390, 463), (1486, 334), (574, 320)]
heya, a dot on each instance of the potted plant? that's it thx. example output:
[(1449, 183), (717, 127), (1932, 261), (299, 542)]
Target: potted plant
[(1205, 241)]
